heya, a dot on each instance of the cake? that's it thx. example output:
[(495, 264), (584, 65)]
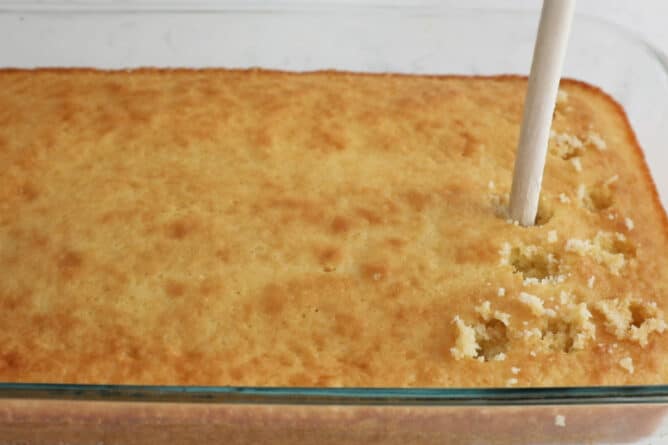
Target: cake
[(264, 228)]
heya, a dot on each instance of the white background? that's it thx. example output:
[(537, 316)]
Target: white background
[(648, 18)]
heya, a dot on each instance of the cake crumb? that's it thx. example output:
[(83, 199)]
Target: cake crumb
[(579, 316), (596, 140), (500, 357), (490, 185), (611, 216), (577, 164), (627, 363), (552, 236), (550, 279), (486, 313), (530, 280), (466, 344), (598, 250), (566, 144), (619, 320), (511, 382), (501, 292), (591, 281), (532, 353), (515, 370), (505, 254), (565, 297), (484, 310), (534, 303), (560, 420), (502, 317), (564, 198), (629, 223), (611, 180)]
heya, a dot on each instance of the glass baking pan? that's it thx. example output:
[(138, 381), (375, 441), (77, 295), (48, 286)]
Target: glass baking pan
[(411, 39)]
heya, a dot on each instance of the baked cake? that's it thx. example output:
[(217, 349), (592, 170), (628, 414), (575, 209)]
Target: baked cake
[(222, 227)]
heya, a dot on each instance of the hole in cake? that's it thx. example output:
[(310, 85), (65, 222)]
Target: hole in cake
[(623, 246), (545, 213), (496, 340), (557, 336), (569, 328), (532, 262), (531, 266), (640, 313), (599, 197), (630, 319), (607, 248), (615, 243), (500, 207), (484, 341)]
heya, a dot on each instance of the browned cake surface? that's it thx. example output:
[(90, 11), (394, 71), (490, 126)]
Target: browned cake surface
[(263, 228)]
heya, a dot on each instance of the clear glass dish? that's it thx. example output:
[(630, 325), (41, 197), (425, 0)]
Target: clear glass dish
[(421, 39)]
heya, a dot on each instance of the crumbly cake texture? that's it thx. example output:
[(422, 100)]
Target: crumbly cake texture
[(223, 227)]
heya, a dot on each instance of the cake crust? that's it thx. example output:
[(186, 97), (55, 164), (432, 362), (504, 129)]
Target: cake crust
[(265, 228)]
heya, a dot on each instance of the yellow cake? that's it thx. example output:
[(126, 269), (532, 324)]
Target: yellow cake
[(222, 227)]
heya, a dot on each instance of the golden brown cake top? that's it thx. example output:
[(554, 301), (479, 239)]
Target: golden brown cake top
[(263, 228)]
